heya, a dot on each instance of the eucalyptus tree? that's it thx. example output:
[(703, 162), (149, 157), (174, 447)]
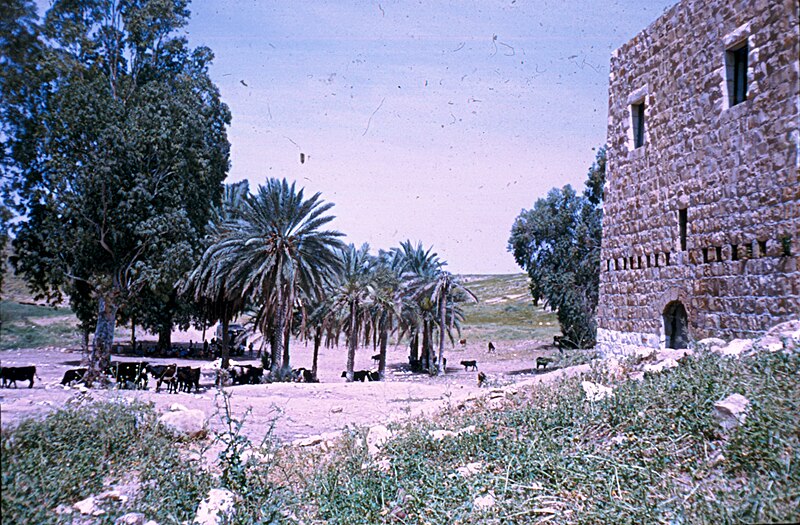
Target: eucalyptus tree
[(276, 253), (118, 150), (350, 297)]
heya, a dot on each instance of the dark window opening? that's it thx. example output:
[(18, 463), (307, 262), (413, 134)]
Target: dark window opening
[(637, 115), (734, 252), (676, 326), (762, 248), (736, 69), (639, 261), (786, 245), (718, 249), (666, 256), (682, 220), (749, 249), (655, 258), (608, 266), (648, 261), (705, 255), (632, 265)]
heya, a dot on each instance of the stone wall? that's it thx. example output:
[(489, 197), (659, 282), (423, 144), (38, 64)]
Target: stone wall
[(734, 169)]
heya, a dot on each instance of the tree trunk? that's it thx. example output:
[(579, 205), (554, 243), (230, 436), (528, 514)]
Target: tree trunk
[(425, 358), (133, 335), (382, 341), (317, 343), (226, 347), (352, 342), (442, 318), (287, 367), (165, 337), (100, 354), (415, 346)]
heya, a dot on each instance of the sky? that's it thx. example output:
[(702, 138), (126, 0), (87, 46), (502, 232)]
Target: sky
[(434, 121)]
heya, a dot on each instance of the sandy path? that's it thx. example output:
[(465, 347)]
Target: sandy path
[(297, 410)]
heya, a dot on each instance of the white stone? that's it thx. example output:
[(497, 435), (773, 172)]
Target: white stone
[(736, 347), (470, 469), (89, 506), (769, 343), (731, 411), (217, 504), (666, 364), (131, 518), (188, 423), (177, 407), (711, 342), (377, 438), (595, 392), (438, 435), (486, 501)]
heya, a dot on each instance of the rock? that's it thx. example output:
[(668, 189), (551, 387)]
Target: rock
[(790, 329), (438, 435), (131, 518), (711, 342), (308, 442), (187, 423), (666, 364), (595, 392), (336, 410), (217, 504), (151, 522), (89, 506), (484, 502), (735, 348), (384, 465), (731, 411), (769, 343), (177, 407), (376, 438), (470, 469)]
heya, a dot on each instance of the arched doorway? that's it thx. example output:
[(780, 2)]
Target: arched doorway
[(676, 326)]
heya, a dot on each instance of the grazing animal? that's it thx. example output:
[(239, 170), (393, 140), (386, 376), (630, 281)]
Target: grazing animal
[(481, 378), (468, 364), (303, 375), (557, 341), (246, 374), (462, 342), (133, 372), (74, 375), (361, 375), (543, 362), (164, 374), (188, 377), (12, 374), (491, 347), (376, 357), (374, 376)]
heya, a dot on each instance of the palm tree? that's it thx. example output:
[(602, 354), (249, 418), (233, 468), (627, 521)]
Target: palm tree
[(447, 289), (351, 296), (276, 253), (386, 299)]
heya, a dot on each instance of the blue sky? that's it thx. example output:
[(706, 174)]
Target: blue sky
[(425, 120)]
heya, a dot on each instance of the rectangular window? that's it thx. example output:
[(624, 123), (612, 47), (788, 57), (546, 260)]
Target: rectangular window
[(718, 249), (734, 252), (637, 118), (786, 245), (705, 255), (736, 72), (682, 220)]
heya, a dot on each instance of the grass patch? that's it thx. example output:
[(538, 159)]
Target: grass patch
[(32, 326), (650, 454), (72, 453), (505, 310)]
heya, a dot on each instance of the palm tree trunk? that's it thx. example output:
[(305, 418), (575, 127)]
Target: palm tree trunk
[(383, 340), (226, 349), (415, 346), (352, 342), (276, 342), (317, 343), (442, 319), (133, 334), (425, 346)]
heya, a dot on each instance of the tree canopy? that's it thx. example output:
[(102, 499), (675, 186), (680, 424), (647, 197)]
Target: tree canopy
[(116, 145), (557, 243)]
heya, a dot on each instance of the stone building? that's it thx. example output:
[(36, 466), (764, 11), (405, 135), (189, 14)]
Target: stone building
[(702, 209)]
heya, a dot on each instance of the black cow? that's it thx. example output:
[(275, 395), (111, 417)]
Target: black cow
[(303, 375), (12, 374), (246, 374), (164, 374), (133, 372), (467, 364), (188, 377), (491, 347), (376, 357), (361, 375), (74, 375), (543, 362)]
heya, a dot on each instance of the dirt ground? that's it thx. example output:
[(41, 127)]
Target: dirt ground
[(305, 409)]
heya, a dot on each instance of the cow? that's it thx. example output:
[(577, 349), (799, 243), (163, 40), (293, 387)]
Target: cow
[(303, 375), (74, 375), (462, 342), (164, 374), (469, 364), (360, 375), (376, 358), (558, 341), (543, 362), (491, 347), (246, 374), (481, 379), (12, 374), (133, 372), (188, 377)]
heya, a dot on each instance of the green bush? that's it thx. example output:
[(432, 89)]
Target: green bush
[(71, 453)]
